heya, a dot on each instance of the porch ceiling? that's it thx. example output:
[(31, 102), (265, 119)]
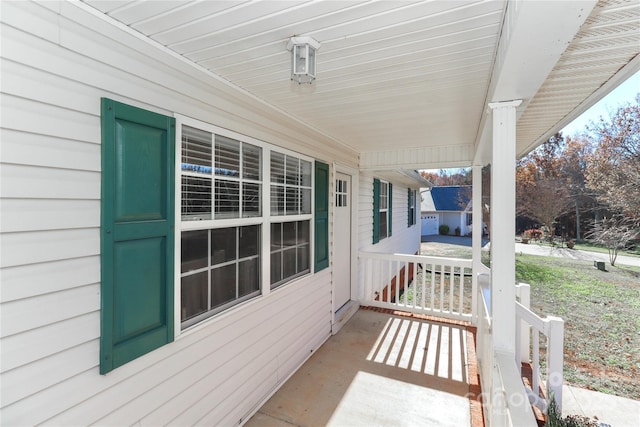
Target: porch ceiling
[(405, 75)]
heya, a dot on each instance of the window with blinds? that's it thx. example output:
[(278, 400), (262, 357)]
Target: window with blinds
[(290, 185), (224, 220), (221, 177)]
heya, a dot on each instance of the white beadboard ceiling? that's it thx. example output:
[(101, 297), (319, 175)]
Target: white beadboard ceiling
[(395, 74)]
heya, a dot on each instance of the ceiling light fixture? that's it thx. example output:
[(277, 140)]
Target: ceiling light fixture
[(303, 58)]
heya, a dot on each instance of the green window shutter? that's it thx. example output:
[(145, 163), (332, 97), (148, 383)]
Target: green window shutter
[(409, 208), (376, 210), (390, 216), (137, 233), (321, 216)]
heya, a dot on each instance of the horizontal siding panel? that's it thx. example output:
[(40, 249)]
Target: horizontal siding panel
[(174, 370), (28, 379), (33, 17), (44, 214), (226, 393), (27, 347), (39, 279), (34, 117), (316, 290), (44, 87), (23, 315), (23, 148), (230, 412), (48, 183), (42, 246)]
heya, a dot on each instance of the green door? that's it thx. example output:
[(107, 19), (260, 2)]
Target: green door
[(137, 233)]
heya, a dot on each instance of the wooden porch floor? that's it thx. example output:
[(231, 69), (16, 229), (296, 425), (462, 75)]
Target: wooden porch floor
[(384, 368)]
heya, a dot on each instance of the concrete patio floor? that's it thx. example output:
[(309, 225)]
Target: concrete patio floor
[(380, 370)]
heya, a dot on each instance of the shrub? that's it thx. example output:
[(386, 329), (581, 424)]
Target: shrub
[(443, 229), (554, 418), (533, 234)]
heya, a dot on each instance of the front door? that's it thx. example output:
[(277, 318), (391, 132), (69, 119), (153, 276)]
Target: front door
[(342, 242)]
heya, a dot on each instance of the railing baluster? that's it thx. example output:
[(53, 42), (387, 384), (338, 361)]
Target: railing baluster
[(423, 295), (452, 286), (414, 282), (397, 277), (461, 295), (442, 271), (388, 278), (433, 287), (535, 385)]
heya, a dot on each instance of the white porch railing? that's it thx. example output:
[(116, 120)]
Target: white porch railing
[(528, 348), (420, 284)]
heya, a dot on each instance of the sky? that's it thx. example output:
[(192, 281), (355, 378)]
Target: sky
[(624, 93)]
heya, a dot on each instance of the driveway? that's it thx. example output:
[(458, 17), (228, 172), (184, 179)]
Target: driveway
[(533, 249), (456, 246)]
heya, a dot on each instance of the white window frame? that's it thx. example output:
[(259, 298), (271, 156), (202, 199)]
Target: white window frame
[(264, 220), (384, 197)]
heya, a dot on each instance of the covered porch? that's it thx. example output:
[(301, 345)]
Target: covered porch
[(384, 367), (421, 351)]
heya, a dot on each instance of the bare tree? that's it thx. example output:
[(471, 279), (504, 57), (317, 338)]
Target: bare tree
[(613, 170), (544, 200), (615, 233)]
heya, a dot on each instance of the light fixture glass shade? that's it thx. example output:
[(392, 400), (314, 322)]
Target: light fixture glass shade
[(303, 58)]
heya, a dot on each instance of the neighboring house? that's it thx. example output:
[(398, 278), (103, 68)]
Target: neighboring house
[(182, 224), (446, 205)]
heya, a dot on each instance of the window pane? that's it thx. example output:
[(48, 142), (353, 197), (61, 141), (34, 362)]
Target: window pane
[(303, 232), (276, 267), (249, 280), (195, 250), (223, 245), (196, 198), (227, 156), (276, 236), (193, 295), (306, 200), (196, 150), (277, 200), (292, 201), (289, 262), (227, 202), (277, 167), (305, 172), (293, 171), (249, 241), (383, 225), (251, 200), (303, 258), (289, 234), (251, 163), (223, 285)]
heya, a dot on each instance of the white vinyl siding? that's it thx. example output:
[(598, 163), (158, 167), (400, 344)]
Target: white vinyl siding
[(404, 239), (58, 61)]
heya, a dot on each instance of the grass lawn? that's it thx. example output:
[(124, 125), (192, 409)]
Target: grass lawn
[(601, 311)]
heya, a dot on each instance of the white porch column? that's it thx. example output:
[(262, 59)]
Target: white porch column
[(503, 224), (476, 238)]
